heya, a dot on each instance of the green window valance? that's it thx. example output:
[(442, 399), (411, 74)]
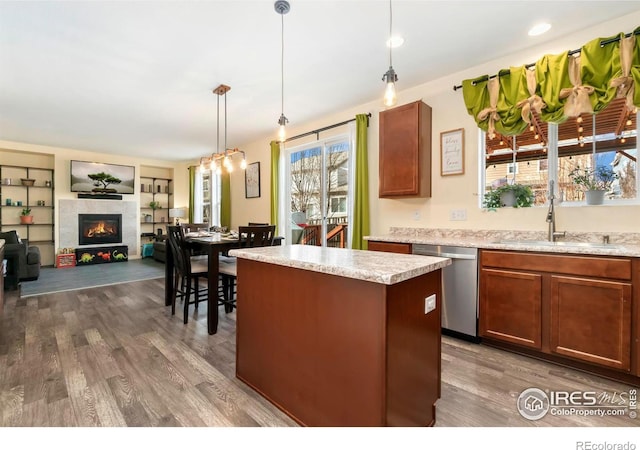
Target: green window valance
[(557, 87)]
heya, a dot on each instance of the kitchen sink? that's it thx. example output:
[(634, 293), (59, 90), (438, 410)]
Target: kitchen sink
[(556, 244)]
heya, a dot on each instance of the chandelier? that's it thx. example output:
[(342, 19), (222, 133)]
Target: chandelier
[(223, 158)]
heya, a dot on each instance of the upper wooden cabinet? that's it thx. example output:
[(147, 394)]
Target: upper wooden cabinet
[(405, 151)]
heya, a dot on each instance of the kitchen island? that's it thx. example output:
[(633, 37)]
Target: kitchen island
[(339, 337)]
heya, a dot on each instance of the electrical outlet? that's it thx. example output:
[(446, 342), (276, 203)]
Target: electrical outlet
[(416, 215), (429, 303), (458, 214)]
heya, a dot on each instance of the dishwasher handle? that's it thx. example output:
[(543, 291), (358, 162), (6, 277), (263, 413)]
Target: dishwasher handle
[(446, 255)]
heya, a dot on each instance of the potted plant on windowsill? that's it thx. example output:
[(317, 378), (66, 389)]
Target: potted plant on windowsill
[(509, 195), (25, 216), (595, 183)]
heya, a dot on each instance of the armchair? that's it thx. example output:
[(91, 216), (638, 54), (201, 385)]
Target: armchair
[(23, 261)]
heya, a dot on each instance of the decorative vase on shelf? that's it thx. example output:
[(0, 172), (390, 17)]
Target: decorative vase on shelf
[(594, 197)]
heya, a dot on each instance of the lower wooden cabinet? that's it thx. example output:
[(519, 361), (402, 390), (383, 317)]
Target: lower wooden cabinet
[(511, 306), (591, 320), (571, 306)]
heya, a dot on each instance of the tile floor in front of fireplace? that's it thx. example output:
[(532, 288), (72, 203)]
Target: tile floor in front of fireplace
[(52, 279)]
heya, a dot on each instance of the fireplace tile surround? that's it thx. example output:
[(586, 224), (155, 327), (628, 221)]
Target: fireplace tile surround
[(68, 210)]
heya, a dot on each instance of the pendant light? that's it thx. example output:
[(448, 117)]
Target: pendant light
[(221, 159), (282, 7), (390, 76)]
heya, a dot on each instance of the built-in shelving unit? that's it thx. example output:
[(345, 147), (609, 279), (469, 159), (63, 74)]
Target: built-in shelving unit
[(159, 190), (15, 196)]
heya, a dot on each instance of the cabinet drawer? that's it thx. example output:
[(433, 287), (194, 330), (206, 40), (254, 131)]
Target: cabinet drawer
[(391, 247), (587, 266)]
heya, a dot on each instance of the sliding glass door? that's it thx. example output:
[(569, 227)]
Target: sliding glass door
[(317, 192)]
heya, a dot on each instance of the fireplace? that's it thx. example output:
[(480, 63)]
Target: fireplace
[(99, 229)]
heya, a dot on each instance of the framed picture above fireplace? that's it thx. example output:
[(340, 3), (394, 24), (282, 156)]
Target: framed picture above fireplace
[(101, 178)]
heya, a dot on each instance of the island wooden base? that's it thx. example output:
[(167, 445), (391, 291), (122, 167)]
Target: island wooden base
[(335, 351)]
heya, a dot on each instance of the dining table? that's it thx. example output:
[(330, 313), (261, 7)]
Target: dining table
[(212, 244)]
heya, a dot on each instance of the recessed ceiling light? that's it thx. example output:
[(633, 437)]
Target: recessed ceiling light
[(539, 29), (395, 41)]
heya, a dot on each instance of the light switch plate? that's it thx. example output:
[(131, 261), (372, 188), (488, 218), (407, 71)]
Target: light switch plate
[(429, 303), (458, 214)]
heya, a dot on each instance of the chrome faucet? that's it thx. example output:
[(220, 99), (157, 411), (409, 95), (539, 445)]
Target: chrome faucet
[(551, 217)]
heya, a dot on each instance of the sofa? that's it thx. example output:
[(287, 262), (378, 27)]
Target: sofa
[(23, 261)]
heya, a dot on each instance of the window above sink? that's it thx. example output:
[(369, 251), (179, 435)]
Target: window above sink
[(547, 151)]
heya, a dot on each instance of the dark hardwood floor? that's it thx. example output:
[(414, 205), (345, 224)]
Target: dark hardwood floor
[(114, 356)]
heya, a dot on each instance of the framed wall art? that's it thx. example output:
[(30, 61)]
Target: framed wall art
[(452, 152), (252, 180), (101, 178)]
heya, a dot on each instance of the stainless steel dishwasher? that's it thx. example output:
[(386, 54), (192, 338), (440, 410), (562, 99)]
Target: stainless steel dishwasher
[(459, 289)]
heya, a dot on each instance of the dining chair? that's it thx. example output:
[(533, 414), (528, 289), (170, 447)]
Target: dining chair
[(189, 270), (192, 228), (250, 236)]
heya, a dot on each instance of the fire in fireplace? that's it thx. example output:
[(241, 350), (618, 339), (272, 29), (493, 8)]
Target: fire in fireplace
[(99, 229)]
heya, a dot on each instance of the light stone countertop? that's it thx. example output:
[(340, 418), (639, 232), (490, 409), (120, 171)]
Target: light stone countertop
[(622, 244), (377, 267)]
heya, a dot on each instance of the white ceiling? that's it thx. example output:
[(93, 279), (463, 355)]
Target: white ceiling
[(136, 77)]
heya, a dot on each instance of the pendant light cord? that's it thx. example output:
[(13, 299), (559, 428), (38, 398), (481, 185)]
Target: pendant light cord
[(282, 63), (225, 122), (390, 31), (218, 126)]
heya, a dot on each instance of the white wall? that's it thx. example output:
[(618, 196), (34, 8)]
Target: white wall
[(460, 192)]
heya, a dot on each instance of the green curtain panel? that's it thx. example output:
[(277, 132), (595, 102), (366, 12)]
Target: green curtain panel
[(476, 99), (275, 177), (599, 65), (513, 90), (635, 68), (533, 103), (192, 191), (552, 73), (225, 200), (507, 114), (361, 193)]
